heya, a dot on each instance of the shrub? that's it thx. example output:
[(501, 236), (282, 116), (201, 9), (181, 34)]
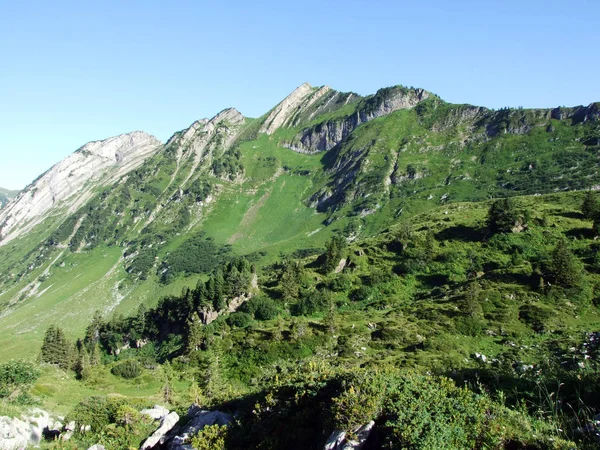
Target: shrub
[(211, 437), (340, 283), (239, 319), (262, 308), (14, 374), (311, 303), (127, 369)]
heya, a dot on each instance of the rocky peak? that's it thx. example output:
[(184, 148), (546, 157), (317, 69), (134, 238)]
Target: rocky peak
[(230, 115), (68, 182), (282, 113), (326, 135)]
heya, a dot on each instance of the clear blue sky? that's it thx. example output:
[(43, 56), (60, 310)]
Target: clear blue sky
[(77, 71)]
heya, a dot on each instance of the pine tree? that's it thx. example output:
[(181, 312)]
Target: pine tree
[(290, 280), (589, 206), (564, 268), (502, 216), (96, 355), (83, 364), (56, 348), (333, 253), (138, 323), (200, 296), (195, 333), (92, 332), (169, 376), (330, 318)]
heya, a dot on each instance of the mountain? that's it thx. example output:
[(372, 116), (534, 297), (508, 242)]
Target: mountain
[(70, 183), (335, 234), (319, 162), (6, 195)]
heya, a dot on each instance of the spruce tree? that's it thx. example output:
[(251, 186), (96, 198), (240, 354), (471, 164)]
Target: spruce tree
[(56, 348), (589, 206), (564, 268), (195, 333), (333, 253), (502, 216)]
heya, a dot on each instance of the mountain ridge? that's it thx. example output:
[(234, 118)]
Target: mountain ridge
[(246, 191)]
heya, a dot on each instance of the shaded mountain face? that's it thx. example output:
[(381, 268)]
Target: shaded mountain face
[(320, 162), (6, 195)]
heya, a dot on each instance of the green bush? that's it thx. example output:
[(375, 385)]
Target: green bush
[(211, 437), (262, 308), (15, 374), (127, 369), (239, 319)]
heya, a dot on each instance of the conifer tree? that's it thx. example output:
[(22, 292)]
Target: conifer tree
[(195, 333), (96, 355), (92, 332), (290, 280), (330, 318), (502, 216), (589, 206), (56, 348), (564, 268), (333, 253)]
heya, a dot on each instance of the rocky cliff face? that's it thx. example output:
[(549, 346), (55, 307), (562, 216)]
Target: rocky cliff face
[(326, 135), (71, 182)]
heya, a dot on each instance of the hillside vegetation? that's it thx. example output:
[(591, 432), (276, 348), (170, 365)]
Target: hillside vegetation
[(430, 267)]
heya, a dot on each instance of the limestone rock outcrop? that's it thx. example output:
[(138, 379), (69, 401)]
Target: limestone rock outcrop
[(178, 438), (72, 181), (326, 135), (167, 423)]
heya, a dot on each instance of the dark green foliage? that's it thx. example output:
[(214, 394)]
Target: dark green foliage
[(127, 369), (196, 255), (340, 283), (56, 348), (228, 165), (502, 216), (311, 302), (199, 190), (334, 251), (290, 280), (142, 264), (589, 206), (239, 319), (261, 308), (564, 268)]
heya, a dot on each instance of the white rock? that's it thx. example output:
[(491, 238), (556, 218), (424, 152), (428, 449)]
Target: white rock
[(167, 423), (157, 412), (102, 162)]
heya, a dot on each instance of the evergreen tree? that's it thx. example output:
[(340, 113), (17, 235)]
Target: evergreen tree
[(502, 216), (333, 253), (330, 318), (195, 333), (200, 296), (92, 332), (56, 348), (138, 323), (96, 355), (589, 206), (564, 268), (290, 280), (83, 364)]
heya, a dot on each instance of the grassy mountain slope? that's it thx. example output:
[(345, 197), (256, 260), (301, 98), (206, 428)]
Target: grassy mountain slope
[(248, 192), (438, 293)]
